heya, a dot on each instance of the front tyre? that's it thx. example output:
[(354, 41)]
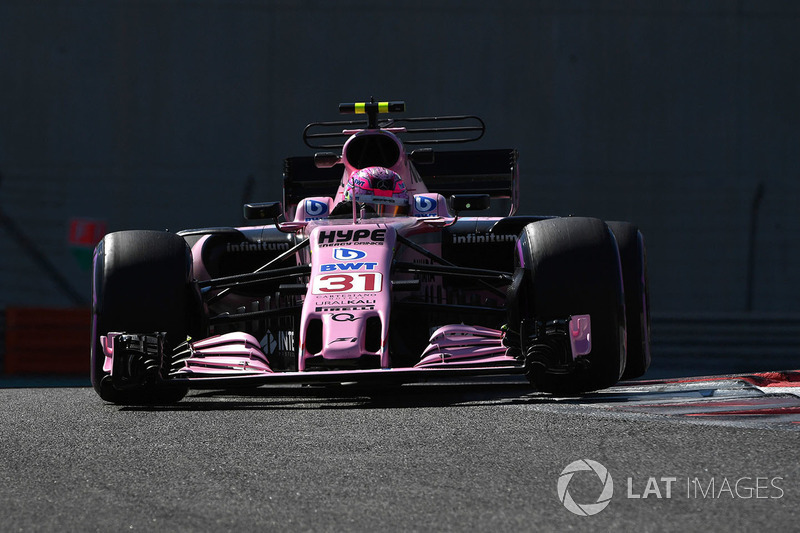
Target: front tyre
[(142, 283), (569, 266)]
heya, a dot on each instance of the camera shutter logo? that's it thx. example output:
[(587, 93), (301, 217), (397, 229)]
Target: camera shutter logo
[(585, 509)]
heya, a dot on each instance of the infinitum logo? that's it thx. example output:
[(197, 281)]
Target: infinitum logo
[(585, 509)]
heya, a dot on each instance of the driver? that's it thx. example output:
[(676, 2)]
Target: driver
[(378, 190)]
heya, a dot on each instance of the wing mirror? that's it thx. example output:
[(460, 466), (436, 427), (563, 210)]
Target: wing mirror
[(263, 211), (469, 202), (326, 159)]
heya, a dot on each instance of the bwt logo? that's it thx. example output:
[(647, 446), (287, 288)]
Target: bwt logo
[(424, 204), (585, 509), (348, 254), (333, 267), (315, 208)]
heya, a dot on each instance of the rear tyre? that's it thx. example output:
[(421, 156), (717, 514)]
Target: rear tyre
[(142, 284), (570, 267), (637, 312)]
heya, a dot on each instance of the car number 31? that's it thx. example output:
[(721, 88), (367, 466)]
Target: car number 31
[(357, 282)]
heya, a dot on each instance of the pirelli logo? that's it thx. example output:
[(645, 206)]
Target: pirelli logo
[(345, 308)]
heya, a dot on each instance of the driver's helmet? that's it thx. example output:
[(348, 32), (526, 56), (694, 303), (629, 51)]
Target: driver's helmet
[(379, 189)]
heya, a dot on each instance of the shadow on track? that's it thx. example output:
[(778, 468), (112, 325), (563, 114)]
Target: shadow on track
[(491, 391), (357, 396), (487, 391)]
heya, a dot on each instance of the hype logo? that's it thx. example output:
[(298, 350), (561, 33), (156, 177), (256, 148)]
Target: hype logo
[(315, 208), (348, 254)]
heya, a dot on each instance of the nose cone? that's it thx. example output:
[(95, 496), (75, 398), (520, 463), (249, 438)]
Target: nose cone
[(346, 310)]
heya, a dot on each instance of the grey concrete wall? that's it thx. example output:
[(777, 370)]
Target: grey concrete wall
[(168, 114)]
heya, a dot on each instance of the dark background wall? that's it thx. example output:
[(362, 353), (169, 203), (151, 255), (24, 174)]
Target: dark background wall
[(681, 116)]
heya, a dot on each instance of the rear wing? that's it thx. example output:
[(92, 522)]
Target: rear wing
[(416, 130), (492, 172)]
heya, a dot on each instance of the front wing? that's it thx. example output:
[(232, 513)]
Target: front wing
[(236, 359)]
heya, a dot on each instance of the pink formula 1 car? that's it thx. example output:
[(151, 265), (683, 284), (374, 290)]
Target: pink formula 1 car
[(374, 273)]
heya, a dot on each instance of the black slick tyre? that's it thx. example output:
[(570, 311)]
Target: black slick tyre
[(637, 312), (141, 284), (571, 267)]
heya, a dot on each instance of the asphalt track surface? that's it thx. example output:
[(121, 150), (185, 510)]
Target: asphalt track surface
[(482, 456)]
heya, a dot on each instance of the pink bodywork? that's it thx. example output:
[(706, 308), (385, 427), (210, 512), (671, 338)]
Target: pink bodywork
[(236, 352), (349, 291), (349, 283), (460, 344)]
